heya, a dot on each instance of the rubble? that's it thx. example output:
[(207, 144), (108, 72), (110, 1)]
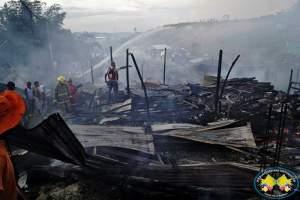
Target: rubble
[(188, 143)]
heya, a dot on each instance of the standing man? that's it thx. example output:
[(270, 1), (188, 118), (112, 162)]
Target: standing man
[(62, 96), (74, 93), (12, 109), (112, 82), (37, 97), (28, 92), (44, 100)]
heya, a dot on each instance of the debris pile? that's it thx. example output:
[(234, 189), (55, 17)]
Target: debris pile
[(184, 142)]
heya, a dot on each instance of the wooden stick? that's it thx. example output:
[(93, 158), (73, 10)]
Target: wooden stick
[(190, 104), (244, 152)]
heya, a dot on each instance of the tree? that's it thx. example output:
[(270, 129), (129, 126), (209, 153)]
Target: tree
[(25, 35)]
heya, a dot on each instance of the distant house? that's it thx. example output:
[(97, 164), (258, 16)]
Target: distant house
[(160, 47), (294, 46), (281, 26), (225, 17), (207, 61), (100, 39), (158, 50)]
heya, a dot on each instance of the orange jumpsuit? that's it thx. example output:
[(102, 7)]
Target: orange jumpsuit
[(74, 93), (8, 186)]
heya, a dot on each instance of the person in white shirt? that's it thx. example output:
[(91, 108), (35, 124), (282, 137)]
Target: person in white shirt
[(28, 92)]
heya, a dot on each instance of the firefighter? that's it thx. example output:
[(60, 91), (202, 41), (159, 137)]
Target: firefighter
[(74, 93), (62, 96)]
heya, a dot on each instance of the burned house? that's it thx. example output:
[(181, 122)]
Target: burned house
[(158, 51)]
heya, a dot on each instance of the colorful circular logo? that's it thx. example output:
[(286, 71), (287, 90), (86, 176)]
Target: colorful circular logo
[(276, 183)]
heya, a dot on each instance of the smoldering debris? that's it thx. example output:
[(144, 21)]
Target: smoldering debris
[(188, 145)]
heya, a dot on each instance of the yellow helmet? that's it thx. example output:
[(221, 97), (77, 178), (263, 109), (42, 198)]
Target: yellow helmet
[(61, 79)]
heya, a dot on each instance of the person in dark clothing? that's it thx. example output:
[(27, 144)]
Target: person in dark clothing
[(11, 86)]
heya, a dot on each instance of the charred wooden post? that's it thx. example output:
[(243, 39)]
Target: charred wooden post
[(50, 48), (290, 83), (92, 99), (127, 71), (267, 137), (218, 81), (281, 135), (111, 56), (228, 76), (143, 71), (144, 88), (92, 74), (165, 66), (278, 134), (82, 73)]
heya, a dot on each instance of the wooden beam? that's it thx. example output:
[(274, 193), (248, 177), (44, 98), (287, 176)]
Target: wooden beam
[(244, 152)]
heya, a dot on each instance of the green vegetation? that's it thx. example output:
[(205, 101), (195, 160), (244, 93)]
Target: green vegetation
[(24, 36)]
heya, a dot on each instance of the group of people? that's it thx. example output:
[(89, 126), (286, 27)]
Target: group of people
[(36, 99), (12, 110), (64, 96)]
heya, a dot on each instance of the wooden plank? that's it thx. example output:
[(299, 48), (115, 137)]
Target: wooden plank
[(237, 137), (138, 142), (104, 129), (118, 107), (165, 127), (129, 156), (109, 159)]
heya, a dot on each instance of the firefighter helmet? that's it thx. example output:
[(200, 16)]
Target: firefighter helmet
[(61, 79)]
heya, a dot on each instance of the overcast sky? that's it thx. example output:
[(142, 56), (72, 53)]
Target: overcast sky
[(124, 15)]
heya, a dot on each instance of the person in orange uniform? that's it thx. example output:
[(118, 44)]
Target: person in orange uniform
[(12, 109), (74, 93), (113, 78)]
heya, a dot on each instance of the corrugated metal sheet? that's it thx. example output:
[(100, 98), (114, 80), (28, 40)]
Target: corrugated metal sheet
[(54, 139)]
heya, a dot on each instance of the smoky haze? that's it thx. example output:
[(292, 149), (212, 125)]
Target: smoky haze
[(267, 42), (123, 16)]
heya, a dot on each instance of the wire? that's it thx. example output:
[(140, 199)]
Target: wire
[(29, 9)]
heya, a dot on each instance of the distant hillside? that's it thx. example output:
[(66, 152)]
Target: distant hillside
[(269, 47), (256, 40)]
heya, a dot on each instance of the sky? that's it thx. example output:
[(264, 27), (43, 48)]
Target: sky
[(125, 15)]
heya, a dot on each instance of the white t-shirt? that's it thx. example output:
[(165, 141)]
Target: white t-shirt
[(30, 93)]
